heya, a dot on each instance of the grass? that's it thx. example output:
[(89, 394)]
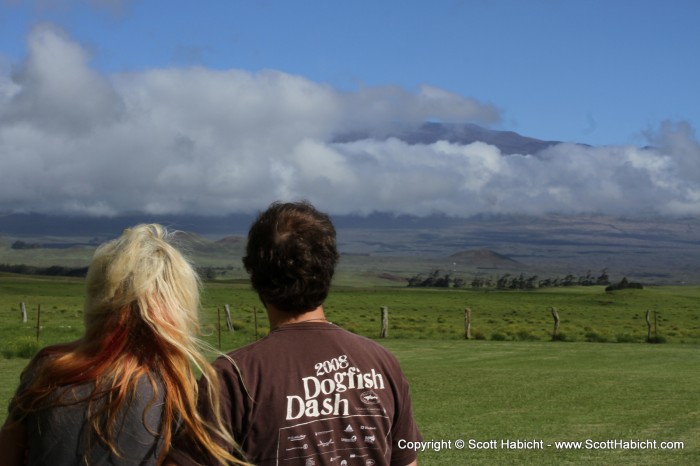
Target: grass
[(484, 391), (493, 391), (10, 370), (524, 387), (587, 314)]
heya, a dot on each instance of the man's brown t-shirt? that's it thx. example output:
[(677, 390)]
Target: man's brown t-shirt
[(315, 394)]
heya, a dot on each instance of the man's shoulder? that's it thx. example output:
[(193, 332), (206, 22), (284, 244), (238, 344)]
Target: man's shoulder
[(256, 351), (366, 342), (316, 335), (362, 347)]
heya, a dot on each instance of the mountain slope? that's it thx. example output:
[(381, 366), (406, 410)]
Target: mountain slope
[(508, 142)]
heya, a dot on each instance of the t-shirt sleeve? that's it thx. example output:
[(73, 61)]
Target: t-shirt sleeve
[(404, 427)]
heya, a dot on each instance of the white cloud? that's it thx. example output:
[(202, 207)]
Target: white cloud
[(195, 140), (56, 91)]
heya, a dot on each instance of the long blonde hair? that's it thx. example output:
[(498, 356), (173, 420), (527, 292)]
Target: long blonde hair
[(141, 319)]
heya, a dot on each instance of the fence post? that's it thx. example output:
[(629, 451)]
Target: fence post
[(648, 324), (38, 322), (555, 332), (229, 322), (385, 322), (218, 324), (467, 323), (23, 309)]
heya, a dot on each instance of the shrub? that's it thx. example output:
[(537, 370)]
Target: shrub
[(237, 325), (27, 348), (624, 284), (524, 335), (23, 347), (656, 339), (595, 337), (498, 336), (625, 338)]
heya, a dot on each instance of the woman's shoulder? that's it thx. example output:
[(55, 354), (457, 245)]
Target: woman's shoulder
[(149, 386), (146, 402)]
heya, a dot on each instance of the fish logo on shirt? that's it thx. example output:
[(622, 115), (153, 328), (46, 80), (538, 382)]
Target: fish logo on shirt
[(369, 397)]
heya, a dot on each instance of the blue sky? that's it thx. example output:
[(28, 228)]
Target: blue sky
[(79, 79), (599, 72)]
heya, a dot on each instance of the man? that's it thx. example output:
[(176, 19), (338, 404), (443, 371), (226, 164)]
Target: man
[(309, 393)]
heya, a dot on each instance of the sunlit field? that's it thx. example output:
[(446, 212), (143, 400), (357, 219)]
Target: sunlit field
[(490, 395), (587, 314), (600, 383)]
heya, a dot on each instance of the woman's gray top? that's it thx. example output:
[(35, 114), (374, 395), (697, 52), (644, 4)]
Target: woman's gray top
[(59, 436)]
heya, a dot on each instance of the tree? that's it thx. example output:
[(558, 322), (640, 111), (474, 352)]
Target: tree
[(443, 282), (568, 280), (530, 283), (624, 284), (502, 282)]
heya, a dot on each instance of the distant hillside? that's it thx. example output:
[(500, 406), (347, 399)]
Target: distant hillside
[(232, 241), (483, 258), (508, 142), (52, 252), (192, 241), (194, 244)]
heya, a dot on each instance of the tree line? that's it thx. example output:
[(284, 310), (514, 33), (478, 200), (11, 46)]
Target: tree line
[(508, 281), (53, 270), (207, 273)]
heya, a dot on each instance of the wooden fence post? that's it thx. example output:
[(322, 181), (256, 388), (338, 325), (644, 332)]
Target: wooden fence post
[(38, 321), (218, 324), (23, 309), (648, 324), (467, 323), (385, 322), (229, 322), (555, 332)]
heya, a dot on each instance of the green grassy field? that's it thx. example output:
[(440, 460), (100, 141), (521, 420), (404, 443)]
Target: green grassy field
[(588, 314), (488, 391), (511, 384)]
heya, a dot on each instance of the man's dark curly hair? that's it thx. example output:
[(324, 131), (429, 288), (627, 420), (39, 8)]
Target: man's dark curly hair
[(291, 256)]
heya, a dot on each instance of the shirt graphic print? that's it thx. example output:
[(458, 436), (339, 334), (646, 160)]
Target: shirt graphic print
[(338, 418)]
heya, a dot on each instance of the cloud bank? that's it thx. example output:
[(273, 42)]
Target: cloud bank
[(195, 140)]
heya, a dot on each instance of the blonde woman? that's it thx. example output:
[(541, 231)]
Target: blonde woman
[(117, 395)]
